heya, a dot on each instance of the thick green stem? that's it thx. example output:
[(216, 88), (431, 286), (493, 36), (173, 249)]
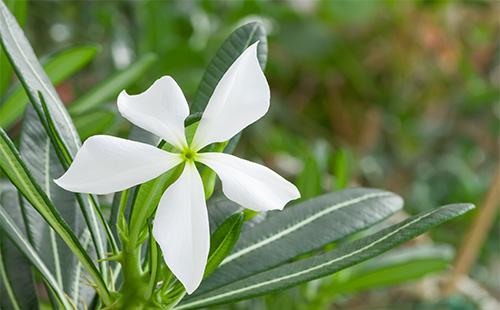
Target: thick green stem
[(135, 285)]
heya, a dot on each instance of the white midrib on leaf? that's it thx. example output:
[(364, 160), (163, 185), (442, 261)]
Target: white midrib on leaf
[(40, 80), (305, 271), (299, 225)]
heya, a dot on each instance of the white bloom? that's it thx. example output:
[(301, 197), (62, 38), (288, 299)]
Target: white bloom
[(106, 164)]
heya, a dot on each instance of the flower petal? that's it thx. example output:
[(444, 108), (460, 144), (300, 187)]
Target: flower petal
[(241, 98), (106, 164), (181, 228), (251, 185), (161, 110)]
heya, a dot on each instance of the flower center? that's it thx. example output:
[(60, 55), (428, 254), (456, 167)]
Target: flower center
[(188, 154)]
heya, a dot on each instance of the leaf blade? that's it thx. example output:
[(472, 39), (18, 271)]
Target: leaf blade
[(314, 267), (286, 234)]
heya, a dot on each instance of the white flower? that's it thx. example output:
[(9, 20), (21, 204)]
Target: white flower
[(106, 164)]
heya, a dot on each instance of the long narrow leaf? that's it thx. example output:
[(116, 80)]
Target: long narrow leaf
[(58, 67), (13, 167), (42, 161), (321, 265), (231, 49), (16, 236), (287, 234), (38, 86)]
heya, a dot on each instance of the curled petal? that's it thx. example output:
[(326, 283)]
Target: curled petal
[(161, 110), (181, 228), (251, 185), (241, 98), (106, 164)]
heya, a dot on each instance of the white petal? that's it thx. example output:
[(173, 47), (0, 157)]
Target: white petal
[(241, 98), (106, 164), (251, 185), (181, 228), (161, 110)]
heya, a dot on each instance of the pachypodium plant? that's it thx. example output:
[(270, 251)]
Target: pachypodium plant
[(106, 164), (166, 242)]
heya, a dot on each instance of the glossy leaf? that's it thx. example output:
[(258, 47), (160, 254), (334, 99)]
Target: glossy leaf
[(109, 88), (287, 234), (223, 240), (317, 266), (58, 67)]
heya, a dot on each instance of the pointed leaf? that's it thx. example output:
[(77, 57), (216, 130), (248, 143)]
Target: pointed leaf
[(223, 240), (321, 265), (13, 167), (230, 50), (287, 234)]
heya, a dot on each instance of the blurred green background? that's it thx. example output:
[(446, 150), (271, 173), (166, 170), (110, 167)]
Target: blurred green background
[(400, 95)]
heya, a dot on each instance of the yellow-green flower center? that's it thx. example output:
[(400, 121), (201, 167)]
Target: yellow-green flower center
[(188, 154)]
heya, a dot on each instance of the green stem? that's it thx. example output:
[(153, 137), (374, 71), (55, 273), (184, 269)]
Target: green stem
[(134, 289)]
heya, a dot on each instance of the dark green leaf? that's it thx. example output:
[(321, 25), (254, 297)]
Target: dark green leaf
[(231, 49), (287, 234), (330, 262), (223, 240)]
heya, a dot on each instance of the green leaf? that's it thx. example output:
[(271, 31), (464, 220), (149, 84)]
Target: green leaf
[(15, 269), (314, 267), (230, 50), (58, 67), (9, 227), (13, 167), (393, 268), (33, 78), (42, 161), (109, 88), (38, 89), (94, 122), (18, 9), (223, 240), (287, 234)]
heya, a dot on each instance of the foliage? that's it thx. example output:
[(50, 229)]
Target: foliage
[(356, 101)]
